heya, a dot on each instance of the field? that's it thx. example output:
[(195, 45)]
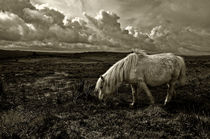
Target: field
[(49, 95)]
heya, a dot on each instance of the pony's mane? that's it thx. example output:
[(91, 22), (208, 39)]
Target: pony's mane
[(140, 52), (120, 71)]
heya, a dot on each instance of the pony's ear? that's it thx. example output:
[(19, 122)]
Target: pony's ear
[(102, 78)]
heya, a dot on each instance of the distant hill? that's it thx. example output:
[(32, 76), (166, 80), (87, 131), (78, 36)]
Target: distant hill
[(15, 54), (42, 46)]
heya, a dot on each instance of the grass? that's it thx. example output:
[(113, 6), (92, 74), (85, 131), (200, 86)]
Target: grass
[(56, 101)]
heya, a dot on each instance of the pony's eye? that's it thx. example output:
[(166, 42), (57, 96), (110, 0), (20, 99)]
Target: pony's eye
[(101, 87)]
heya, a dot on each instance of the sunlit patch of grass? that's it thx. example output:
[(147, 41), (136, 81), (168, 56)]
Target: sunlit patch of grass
[(13, 121), (11, 118)]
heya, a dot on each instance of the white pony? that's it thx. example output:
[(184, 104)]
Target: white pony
[(139, 70)]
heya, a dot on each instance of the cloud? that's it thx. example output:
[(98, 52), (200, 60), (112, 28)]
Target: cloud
[(26, 22), (137, 34), (11, 26), (108, 27), (104, 29), (164, 25), (75, 23), (55, 14), (61, 34), (147, 14), (184, 40), (144, 14), (105, 21), (142, 23), (37, 17), (14, 28)]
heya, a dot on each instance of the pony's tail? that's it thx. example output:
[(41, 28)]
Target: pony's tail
[(182, 76)]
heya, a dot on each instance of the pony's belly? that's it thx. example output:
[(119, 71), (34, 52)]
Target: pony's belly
[(154, 83), (157, 79), (158, 72)]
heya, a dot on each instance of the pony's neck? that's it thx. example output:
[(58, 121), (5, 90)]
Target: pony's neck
[(113, 82), (120, 71)]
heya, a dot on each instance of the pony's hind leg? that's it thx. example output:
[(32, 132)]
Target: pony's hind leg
[(143, 85), (134, 94), (170, 92)]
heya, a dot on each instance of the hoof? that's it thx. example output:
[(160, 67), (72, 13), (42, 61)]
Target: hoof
[(152, 102), (116, 103), (165, 103), (132, 104)]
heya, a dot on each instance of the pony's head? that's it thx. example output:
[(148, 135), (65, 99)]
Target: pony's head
[(101, 88)]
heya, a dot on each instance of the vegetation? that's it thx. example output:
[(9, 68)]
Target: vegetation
[(50, 96)]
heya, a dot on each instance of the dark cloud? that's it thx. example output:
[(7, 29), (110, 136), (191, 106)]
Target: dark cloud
[(108, 27), (15, 6), (26, 22)]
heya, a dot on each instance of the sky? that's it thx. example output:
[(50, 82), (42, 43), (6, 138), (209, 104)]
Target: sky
[(181, 26)]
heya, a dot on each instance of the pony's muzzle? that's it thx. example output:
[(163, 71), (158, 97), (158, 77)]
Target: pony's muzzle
[(94, 93), (100, 96)]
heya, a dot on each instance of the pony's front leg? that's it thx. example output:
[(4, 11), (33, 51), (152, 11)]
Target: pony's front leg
[(143, 85), (174, 91), (134, 94)]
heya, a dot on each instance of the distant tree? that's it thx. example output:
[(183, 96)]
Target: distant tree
[(34, 54)]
